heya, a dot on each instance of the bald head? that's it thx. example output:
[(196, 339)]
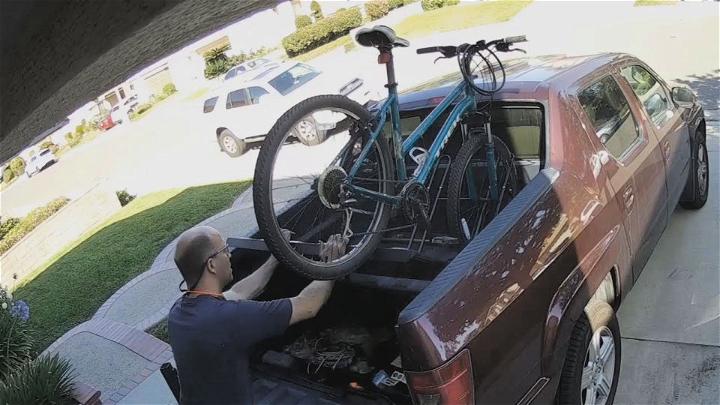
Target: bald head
[(194, 247)]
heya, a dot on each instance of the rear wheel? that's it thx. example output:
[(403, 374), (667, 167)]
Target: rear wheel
[(230, 144), (592, 365), (696, 190), (300, 186), (469, 206)]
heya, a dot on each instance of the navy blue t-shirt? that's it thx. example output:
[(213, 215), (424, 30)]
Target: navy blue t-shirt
[(211, 339)]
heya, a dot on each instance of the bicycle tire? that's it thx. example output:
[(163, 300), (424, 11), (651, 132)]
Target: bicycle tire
[(262, 193), (456, 180)]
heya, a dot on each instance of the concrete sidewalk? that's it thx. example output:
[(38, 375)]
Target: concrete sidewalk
[(112, 352)]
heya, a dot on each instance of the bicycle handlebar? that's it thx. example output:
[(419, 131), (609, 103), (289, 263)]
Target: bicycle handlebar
[(502, 45)]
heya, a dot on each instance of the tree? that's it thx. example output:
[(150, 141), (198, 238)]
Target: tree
[(316, 10), (216, 62)]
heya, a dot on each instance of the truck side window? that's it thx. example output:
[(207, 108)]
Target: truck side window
[(237, 98), (650, 92), (609, 112)]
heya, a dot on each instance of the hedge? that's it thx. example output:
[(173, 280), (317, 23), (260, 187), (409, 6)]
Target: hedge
[(17, 166), (377, 8), (8, 175), (435, 4), (30, 222), (302, 21), (322, 32)]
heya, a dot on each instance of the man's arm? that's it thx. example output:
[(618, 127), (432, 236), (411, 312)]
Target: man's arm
[(307, 304), (254, 284)]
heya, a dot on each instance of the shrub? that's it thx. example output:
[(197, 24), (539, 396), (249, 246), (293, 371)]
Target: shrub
[(8, 175), (216, 62), (17, 166), (124, 197), (169, 89), (316, 11), (48, 144), (435, 4), (377, 8), (324, 31), (15, 338), (30, 222), (142, 108), (302, 21), (45, 380), (396, 3), (73, 139), (9, 224)]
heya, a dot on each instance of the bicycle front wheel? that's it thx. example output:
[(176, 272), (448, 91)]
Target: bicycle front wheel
[(470, 206), (299, 186)]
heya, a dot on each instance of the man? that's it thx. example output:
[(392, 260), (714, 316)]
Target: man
[(212, 332)]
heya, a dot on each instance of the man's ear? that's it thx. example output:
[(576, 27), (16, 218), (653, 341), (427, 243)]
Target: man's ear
[(211, 266)]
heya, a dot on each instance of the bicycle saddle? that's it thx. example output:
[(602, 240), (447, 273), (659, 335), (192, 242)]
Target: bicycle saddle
[(380, 36)]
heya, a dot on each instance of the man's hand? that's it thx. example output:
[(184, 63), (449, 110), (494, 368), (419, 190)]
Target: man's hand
[(333, 248)]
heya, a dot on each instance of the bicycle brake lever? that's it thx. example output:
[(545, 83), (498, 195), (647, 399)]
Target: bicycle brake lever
[(517, 50), (437, 59)]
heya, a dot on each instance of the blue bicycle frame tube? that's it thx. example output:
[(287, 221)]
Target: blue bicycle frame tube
[(373, 137), (430, 119), (443, 137)]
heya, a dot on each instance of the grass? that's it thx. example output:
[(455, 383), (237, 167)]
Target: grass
[(640, 3), (198, 94), (152, 106), (459, 17), (345, 41), (76, 282), (160, 331)]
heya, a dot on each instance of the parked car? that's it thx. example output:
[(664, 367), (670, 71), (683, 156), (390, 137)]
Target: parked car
[(107, 122), (39, 162), (245, 67), (247, 110), (525, 312)]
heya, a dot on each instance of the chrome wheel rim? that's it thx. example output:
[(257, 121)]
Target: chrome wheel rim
[(229, 144), (702, 169), (306, 130), (598, 369)]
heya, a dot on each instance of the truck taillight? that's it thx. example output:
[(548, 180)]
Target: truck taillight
[(451, 383)]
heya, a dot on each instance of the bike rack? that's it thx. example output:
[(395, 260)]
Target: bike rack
[(417, 246)]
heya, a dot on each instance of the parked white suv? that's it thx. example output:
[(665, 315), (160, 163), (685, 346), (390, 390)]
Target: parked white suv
[(39, 162), (242, 112)]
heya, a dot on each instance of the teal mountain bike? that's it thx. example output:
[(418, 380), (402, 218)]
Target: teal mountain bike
[(328, 166)]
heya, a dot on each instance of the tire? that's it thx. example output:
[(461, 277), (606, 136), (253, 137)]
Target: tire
[(230, 144), (696, 190), (474, 148), (598, 327), (263, 200), (307, 133)]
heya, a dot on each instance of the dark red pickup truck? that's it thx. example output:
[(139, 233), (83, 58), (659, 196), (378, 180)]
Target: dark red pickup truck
[(524, 313)]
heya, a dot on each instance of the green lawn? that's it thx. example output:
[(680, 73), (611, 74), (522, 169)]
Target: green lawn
[(452, 18), (75, 283)]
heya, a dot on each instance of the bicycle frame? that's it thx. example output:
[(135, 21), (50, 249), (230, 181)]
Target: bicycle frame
[(464, 99)]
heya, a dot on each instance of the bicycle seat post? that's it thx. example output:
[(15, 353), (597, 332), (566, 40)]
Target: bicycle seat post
[(386, 58)]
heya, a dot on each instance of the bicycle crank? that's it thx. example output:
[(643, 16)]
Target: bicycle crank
[(415, 203)]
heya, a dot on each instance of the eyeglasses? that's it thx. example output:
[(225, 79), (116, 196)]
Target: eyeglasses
[(225, 249)]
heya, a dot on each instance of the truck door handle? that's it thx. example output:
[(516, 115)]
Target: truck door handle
[(629, 197)]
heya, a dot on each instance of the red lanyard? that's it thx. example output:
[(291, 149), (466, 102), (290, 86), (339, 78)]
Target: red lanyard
[(200, 292)]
